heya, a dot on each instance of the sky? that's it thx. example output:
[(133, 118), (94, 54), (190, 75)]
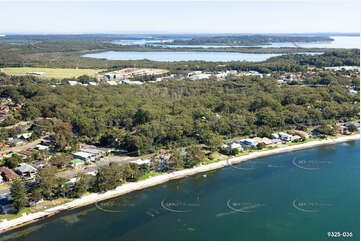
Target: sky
[(272, 16)]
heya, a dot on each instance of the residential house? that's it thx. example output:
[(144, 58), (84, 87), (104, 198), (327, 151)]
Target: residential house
[(4, 110), (92, 173), (112, 83), (140, 162), (194, 73), (39, 164), (24, 136), (26, 171), (250, 143), (357, 124), (8, 174), (41, 147), (295, 138), (352, 91), (84, 156), (199, 77), (234, 145), (276, 141), (14, 141), (264, 140), (132, 82), (71, 182), (77, 163), (6, 206), (275, 136), (285, 137), (301, 133), (73, 83), (95, 152)]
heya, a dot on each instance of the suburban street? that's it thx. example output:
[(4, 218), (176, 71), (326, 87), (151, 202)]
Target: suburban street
[(22, 147)]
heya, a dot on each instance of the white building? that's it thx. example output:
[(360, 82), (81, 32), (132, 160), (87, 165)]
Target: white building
[(25, 170), (200, 77), (83, 156), (285, 136), (235, 145), (140, 162), (249, 142), (112, 83), (73, 83), (352, 91), (132, 82), (275, 136)]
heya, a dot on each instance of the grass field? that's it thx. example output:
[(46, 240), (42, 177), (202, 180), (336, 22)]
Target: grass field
[(50, 72)]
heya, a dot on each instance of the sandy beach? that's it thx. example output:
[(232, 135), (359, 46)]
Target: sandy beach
[(153, 181)]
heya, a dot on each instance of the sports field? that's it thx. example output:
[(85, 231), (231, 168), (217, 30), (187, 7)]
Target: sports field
[(50, 72)]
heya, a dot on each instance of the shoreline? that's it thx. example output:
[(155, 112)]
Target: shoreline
[(153, 181)]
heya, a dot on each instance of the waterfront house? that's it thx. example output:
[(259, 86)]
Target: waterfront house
[(301, 133), (285, 137), (8, 209), (357, 124), (235, 145), (250, 143), (276, 141), (275, 136), (264, 140)]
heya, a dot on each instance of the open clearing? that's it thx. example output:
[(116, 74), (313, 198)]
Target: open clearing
[(50, 72)]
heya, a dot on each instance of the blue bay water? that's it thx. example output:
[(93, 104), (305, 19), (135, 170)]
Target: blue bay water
[(347, 42), (170, 56), (181, 56), (300, 195)]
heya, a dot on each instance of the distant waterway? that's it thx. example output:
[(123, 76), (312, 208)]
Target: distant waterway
[(347, 42), (300, 195), (170, 56)]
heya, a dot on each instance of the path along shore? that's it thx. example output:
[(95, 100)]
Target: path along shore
[(153, 181)]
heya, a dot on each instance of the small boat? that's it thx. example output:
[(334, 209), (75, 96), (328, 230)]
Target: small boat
[(205, 175)]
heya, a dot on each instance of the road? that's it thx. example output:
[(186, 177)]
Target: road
[(22, 147), (5, 191)]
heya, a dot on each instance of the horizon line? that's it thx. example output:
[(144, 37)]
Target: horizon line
[(165, 32)]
